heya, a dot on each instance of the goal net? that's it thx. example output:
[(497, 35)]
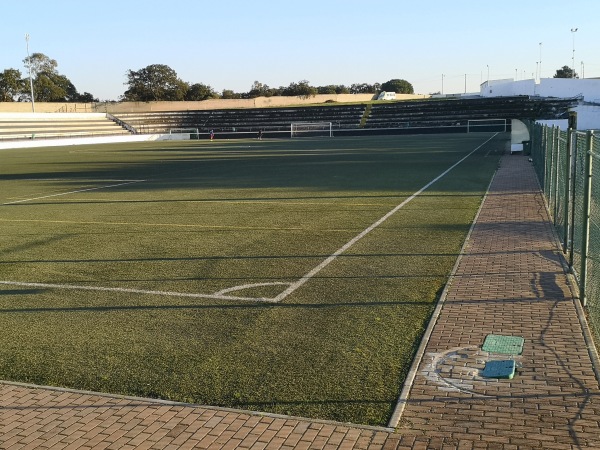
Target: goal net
[(305, 129), (184, 133), (487, 125)]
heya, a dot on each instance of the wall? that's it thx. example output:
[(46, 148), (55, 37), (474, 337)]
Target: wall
[(83, 140), (260, 102), (507, 88), (519, 132), (41, 107), (588, 118), (570, 87)]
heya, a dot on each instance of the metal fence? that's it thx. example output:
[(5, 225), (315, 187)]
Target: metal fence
[(567, 164)]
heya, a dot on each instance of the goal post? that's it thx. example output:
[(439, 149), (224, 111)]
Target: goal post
[(312, 129), (184, 133), (487, 125)]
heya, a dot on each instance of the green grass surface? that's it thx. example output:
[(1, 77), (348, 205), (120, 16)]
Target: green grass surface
[(200, 217)]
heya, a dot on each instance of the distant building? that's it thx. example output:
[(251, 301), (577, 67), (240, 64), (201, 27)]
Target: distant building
[(587, 91)]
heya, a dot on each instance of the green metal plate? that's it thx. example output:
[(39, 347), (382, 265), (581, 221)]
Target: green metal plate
[(507, 345), (499, 369)]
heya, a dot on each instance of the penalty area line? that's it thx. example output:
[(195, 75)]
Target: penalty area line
[(133, 291), (294, 286)]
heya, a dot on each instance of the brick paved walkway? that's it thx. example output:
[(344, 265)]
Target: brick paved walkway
[(509, 281)]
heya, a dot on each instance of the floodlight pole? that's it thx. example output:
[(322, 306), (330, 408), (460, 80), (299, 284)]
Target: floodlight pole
[(540, 61), (573, 31), (30, 78), (442, 84)]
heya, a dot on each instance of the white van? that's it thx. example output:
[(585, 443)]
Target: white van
[(386, 96)]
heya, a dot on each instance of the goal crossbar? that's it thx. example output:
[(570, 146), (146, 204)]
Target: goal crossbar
[(299, 129), (474, 125), (184, 133)]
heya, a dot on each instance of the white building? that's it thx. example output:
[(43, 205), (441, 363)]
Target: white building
[(586, 90)]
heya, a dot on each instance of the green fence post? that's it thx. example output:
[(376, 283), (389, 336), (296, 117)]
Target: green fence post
[(586, 217), (568, 163), (550, 147), (555, 162), (575, 153), (547, 162)]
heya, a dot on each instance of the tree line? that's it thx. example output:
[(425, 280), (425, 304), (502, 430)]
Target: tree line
[(159, 82)]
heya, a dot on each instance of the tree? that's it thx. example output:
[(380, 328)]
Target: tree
[(329, 89), (301, 89), (156, 82), (86, 97), (260, 90), (11, 85), (199, 91), (228, 93), (51, 87), (398, 86), (364, 88), (333, 89), (40, 63), (48, 84), (565, 72), (54, 87)]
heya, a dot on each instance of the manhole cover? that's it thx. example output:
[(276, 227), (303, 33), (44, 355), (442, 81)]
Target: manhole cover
[(499, 369), (507, 345)]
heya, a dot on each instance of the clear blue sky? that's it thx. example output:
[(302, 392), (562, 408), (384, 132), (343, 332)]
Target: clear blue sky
[(228, 44)]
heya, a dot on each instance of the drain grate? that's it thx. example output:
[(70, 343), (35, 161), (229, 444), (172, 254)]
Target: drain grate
[(507, 345), (499, 369)]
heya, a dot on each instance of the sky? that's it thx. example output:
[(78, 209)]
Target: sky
[(436, 45)]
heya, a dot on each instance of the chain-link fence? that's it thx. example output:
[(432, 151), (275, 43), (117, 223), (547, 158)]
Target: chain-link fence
[(567, 164)]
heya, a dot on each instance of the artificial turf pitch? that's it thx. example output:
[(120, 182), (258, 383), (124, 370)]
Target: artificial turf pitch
[(147, 269)]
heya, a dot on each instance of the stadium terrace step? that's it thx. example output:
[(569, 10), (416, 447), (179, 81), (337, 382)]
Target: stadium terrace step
[(16, 126), (245, 120), (448, 112)]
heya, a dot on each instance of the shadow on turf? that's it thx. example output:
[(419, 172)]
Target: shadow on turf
[(352, 165), (260, 305), (249, 199), (257, 305), (20, 292)]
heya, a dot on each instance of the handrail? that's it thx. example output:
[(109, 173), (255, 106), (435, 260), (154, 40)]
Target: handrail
[(121, 123)]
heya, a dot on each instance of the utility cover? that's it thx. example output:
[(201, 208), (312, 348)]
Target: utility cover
[(507, 345), (499, 369)]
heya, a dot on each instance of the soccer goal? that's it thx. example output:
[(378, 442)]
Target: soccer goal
[(305, 129), (184, 133), (487, 125)]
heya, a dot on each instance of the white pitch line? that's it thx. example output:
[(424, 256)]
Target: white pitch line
[(71, 192), (133, 291), (354, 240), (248, 286)]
